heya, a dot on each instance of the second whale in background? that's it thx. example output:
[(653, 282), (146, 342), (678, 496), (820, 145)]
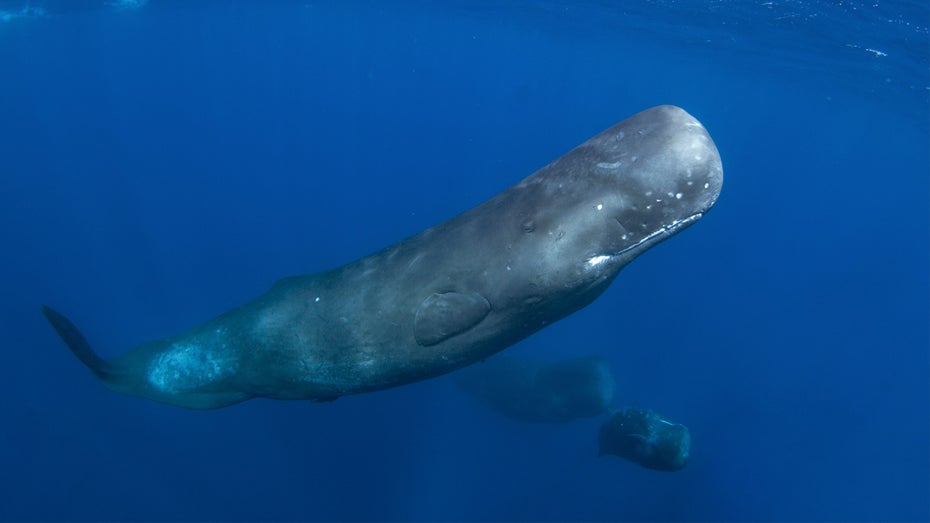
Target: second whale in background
[(532, 390)]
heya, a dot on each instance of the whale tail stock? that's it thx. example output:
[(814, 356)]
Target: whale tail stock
[(126, 376), (75, 341)]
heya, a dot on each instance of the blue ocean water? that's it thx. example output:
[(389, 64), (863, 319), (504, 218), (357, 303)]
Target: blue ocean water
[(166, 161)]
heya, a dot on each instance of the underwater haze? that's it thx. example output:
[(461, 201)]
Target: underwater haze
[(162, 162)]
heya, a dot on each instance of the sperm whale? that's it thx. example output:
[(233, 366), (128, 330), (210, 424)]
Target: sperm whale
[(449, 296)]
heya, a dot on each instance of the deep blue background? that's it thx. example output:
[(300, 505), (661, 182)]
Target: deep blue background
[(164, 164)]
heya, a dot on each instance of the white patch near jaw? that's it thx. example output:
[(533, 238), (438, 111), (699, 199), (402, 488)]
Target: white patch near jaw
[(597, 260)]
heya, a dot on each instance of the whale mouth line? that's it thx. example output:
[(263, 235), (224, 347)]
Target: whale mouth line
[(678, 225), (663, 232)]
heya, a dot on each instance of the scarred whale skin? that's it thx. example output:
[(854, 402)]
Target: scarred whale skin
[(448, 296)]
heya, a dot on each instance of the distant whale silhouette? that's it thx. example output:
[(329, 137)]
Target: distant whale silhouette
[(448, 296), (645, 438), (540, 391)]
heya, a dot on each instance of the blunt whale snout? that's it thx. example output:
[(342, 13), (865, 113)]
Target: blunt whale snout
[(686, 171), (449, 296), (653, 175), (674, 178)]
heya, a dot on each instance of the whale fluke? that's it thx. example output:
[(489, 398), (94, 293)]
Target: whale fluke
[(78, 344)]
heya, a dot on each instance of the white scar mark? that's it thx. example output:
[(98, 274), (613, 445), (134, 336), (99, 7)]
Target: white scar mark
[(597, 260), (609, 165), (414, 261), (875, 52)]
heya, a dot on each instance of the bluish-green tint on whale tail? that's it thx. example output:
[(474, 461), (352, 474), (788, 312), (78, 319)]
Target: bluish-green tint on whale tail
[(135, 378), (79, 346)]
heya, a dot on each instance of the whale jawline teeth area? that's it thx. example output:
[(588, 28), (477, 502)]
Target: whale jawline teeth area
[(665, 231), (678, 225)]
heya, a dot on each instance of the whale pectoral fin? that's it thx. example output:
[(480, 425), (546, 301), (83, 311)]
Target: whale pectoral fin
[(78, 344), (441, 316)]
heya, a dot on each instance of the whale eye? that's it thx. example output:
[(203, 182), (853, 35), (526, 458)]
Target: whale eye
[(441, 316)]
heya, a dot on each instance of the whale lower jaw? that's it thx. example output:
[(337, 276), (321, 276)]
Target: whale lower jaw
[(627, 254)]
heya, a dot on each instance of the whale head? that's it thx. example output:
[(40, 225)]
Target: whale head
[(615, 196), (641, 182), (668, 174)]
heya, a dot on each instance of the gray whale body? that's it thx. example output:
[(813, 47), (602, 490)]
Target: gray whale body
[(449, 296)]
